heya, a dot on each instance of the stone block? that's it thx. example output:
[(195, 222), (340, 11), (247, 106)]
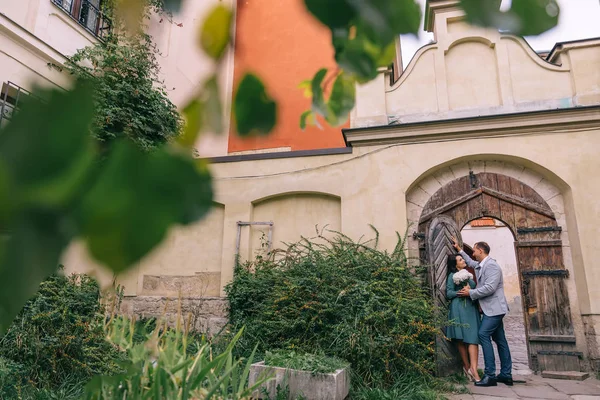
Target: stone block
[(540, 392), (569, 375), (418, 196), (201, 284), (430, 185), (574, 387), (530, 178), (496, 391), (496, 167), (334, 386), (444, 176), (546, 189), (215, 325), (513, 170), (477, 166), (460, 169)]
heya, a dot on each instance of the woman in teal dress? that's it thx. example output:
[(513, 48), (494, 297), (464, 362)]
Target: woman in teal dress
[(465, 318)]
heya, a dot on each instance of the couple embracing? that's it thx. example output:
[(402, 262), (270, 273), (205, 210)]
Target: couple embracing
[(471, 329)]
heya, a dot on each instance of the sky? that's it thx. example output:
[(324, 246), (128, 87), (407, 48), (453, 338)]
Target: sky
[(579, 19)]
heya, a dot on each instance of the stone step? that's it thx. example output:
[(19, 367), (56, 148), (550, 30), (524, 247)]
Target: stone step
[(570, 375)]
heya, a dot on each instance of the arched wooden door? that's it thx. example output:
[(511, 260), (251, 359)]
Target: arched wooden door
[(548, 322), (439, 246)]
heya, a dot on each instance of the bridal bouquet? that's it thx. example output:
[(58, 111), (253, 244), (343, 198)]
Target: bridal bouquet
[(461, 278)]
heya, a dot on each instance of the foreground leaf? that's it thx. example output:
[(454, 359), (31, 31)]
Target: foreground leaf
[(525, 17), (333, 13), (46, 150), (255, 111), (214, 35), (342, 100), (388, 18), (137, 197), (535, 16), (193, 114), (213, 108), (29, 255)]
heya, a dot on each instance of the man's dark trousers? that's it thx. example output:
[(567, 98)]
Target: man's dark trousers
[(492, 328)]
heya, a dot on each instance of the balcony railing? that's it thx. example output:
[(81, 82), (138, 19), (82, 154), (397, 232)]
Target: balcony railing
[(9, 100), (88, 14)]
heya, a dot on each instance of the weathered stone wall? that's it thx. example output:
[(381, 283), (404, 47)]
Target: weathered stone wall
[(203, 314)]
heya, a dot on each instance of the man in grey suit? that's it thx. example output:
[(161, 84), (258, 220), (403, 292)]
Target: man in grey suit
[(490, 293)]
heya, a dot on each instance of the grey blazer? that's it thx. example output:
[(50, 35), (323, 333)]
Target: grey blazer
[(490, 286)]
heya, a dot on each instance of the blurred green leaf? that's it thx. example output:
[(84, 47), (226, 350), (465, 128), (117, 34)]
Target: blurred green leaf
[(389, 18), (307, 118), (213, 108), (193, 114), (214, 35), (30, 254), (535, 16), (46, 150), (306, 88), (525, 17), (255, 111), (137, 197), (342, 100), (318, 100), (333, 13), (483, 13)]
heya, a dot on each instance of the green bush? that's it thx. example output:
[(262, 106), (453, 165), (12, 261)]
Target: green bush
[(57, 342), (343, 298), (315, 363)]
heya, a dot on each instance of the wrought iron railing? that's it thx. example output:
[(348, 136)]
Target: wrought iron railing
[(88, 14), (9, 100)]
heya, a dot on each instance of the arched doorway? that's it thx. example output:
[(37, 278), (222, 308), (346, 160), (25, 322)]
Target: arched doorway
[(551, 342)]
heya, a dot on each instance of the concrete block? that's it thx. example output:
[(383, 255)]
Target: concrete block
[(334, 386), (569, 375)]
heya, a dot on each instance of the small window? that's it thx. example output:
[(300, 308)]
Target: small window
[(89, 15)]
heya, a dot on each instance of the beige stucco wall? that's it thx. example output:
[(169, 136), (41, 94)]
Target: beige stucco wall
[(34, 33), (470, 71)]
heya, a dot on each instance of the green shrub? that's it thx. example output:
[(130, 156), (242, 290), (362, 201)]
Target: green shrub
[(57, 342), (161, 367), (343, 298), (315, 363)]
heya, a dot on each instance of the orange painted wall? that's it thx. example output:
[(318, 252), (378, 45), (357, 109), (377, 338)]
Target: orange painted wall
[(283, 44)]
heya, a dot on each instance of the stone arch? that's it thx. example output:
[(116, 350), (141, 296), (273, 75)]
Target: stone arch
[(431, 195)]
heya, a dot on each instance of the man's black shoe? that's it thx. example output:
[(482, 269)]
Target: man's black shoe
[(486, 381), (506, 381)]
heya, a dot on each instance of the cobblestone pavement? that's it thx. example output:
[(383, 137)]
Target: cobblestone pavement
[(514, 326), (534, 387)]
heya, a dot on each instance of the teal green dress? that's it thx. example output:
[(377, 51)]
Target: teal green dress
[(463, 312)]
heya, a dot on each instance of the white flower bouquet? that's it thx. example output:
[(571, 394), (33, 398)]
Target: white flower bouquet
[(461, 277)]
